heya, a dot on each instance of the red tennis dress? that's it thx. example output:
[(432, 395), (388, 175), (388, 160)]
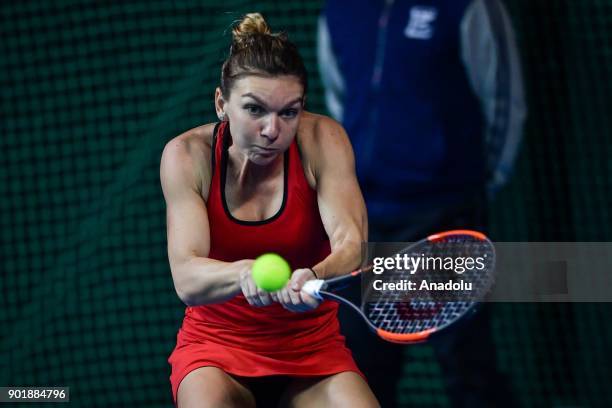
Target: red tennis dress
[(260, 341)]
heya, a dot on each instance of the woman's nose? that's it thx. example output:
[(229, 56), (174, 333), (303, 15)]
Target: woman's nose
[(271, 129)]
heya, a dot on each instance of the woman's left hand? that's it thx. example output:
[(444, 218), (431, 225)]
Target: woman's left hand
[(292, 298)]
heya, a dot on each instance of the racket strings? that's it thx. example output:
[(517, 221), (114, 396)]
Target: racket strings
[(395, 312), (415, 316)]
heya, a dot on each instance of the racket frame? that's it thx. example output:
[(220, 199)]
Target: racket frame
[(322, 289)]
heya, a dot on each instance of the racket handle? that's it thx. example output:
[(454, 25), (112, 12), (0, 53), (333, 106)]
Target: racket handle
[(313, 287), (342, 281)]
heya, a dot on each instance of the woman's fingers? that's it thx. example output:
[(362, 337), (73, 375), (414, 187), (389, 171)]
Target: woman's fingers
[(290, 297)]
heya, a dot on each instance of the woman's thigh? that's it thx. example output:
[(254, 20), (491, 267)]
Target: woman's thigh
[(346, 389), (212, 387)]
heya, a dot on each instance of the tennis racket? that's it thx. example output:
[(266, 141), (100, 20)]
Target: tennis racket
[(397, 318)]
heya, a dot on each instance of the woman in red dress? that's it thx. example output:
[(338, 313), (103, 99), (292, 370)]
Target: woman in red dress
[(269, 177)]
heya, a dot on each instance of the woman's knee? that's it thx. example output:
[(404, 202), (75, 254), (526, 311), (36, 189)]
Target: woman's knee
[(212, 387), (350, 390), (347, 389)]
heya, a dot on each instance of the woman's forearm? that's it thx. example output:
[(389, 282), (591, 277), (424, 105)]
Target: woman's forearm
[(201, 281), (345, 258)]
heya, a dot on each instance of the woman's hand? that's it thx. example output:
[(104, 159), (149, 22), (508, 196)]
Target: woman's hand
[(253, 294), (292, 298)]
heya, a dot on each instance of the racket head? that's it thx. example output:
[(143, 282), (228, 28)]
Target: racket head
[(399, 319)]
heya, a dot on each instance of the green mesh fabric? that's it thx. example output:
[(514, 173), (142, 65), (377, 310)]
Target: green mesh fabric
[(90, 94)]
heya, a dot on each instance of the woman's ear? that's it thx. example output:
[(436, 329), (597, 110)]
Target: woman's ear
[(220, 104)]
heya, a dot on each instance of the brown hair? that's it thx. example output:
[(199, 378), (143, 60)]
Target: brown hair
[(256, 50)]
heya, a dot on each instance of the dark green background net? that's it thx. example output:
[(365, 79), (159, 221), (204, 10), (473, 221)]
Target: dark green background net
[(90, 93)]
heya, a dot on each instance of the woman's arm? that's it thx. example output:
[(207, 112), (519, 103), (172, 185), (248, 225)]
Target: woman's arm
[(330, 165), (330, 157), (197, 279), (341, 203)]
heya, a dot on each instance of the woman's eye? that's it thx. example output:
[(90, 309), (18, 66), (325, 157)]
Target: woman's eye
[(289, 113), (254, 109)]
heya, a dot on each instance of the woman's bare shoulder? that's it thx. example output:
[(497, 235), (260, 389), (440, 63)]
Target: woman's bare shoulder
[(190, 154), (319, 133), (322, 141), (192, 142), (313, 126)]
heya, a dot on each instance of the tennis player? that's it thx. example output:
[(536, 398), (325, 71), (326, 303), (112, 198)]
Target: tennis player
[(269, 177)]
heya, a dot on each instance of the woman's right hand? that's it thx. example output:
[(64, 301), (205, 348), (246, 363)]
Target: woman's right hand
[(254, 295)]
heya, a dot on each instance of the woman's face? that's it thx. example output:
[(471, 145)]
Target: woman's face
[(263, 113)]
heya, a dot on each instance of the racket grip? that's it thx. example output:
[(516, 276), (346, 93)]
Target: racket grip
[(313, 286)]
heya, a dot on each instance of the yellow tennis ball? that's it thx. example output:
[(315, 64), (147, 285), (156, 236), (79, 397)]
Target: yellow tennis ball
[(271, 272)]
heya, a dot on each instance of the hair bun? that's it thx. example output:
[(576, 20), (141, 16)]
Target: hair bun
[(252, 23), (255, 49)]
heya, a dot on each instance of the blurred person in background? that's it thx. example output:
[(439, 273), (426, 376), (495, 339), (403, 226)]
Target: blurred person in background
[(431, 96)]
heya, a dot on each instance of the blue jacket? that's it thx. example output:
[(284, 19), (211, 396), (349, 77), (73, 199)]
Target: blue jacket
[(396, 76)]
